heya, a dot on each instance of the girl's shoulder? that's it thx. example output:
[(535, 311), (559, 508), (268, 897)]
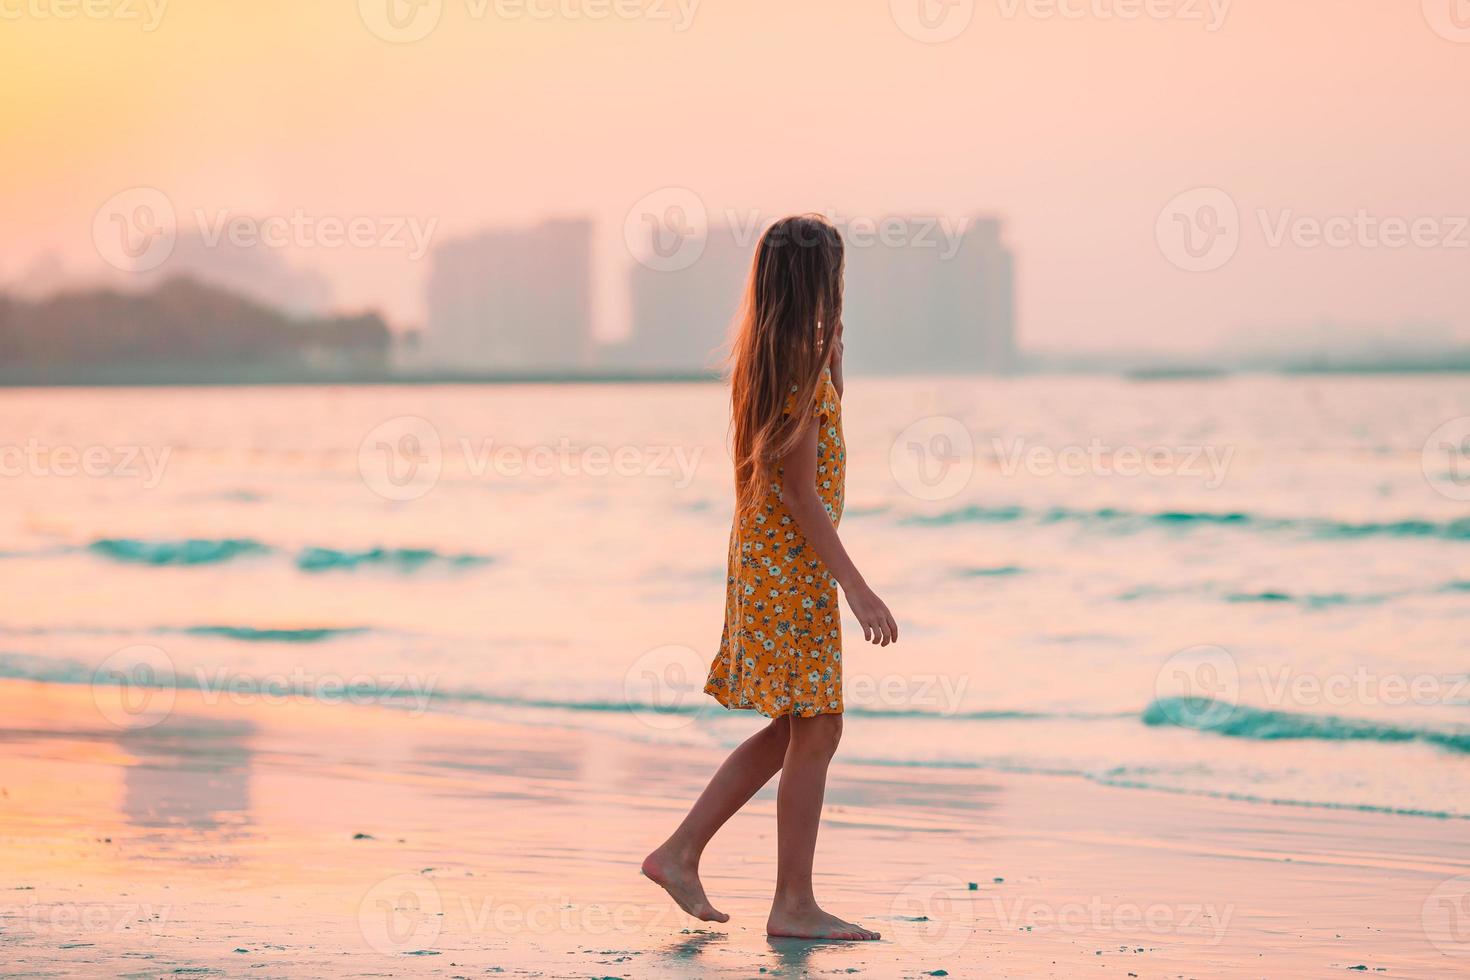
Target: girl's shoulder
[(825, 400)]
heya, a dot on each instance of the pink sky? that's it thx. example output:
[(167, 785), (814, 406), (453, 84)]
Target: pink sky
[(1078, 128)]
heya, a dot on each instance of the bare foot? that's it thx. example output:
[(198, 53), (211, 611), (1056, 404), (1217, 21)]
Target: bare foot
[(812, 923), (681, 880)]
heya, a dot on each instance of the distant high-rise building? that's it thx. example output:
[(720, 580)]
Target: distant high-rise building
[(681, 318), (919, 303), (512, 299), (929, 304)]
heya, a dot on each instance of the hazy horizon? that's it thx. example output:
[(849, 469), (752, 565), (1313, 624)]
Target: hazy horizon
[(1077, 124)]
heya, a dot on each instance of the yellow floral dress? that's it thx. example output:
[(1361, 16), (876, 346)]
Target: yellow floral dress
[(781, 650)]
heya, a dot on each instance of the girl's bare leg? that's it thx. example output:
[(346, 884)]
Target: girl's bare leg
[(675, 864), (794, 910)]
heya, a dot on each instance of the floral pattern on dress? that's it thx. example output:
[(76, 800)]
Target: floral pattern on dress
[(781, 649)]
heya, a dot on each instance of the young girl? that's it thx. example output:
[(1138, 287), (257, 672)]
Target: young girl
[(781, 651)]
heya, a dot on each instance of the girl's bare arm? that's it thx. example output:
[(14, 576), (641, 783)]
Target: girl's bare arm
[(799, 493)]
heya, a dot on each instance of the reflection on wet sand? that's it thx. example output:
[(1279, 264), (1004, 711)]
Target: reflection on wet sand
[(188, 772)]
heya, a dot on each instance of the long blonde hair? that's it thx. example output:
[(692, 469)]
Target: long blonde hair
[(792, 303)]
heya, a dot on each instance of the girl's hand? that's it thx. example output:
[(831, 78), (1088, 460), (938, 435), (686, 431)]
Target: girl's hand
[(877, 622)]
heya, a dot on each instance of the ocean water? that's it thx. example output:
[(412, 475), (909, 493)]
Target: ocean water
[(1251, 587)]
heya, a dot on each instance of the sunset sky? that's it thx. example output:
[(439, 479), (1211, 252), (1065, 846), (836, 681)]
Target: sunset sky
[(1078, 128)]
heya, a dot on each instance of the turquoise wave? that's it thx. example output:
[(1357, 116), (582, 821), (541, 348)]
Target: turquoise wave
[(1259, 724), (191, 551), (206, 551), (400, 559), (253, 634), (1124, 521)]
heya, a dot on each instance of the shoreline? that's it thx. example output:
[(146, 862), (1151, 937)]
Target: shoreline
[(148, 376), (306, 838)]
